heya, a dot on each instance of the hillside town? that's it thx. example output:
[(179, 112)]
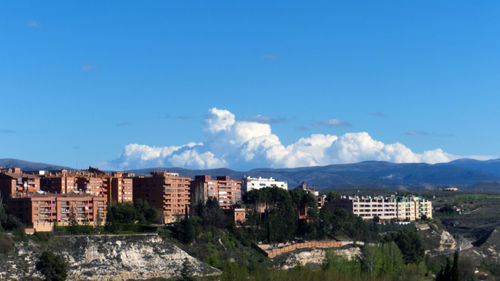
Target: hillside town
[(42, 199)]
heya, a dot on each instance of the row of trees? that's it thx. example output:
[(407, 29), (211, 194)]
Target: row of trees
[(131, 216), (280, 221), (124, 217)]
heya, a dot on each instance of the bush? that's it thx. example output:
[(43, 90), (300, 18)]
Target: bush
[(74, 229), (41, 236), (52, 267)]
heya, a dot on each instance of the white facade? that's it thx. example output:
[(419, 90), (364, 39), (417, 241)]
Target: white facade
[(250, 183), (387, 208)]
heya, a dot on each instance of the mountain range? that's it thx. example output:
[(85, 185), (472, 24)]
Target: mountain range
[(474, 175)]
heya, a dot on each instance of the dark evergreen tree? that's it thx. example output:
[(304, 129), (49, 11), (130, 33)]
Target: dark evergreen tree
[(188, 229), (52, 266), (445, 273), (72, 222)]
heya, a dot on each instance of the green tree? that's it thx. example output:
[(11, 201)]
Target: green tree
[(98, 223), (52, 266), (305, 201), (188, 229), (451, 270), (332, 195), (212, 215), (341, 266), (372, 260), (409, 243), (72, 222), (392, 261), (325, 223), (145, 213)]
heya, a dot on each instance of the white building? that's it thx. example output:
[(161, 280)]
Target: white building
[(250, 183), (386, 208)]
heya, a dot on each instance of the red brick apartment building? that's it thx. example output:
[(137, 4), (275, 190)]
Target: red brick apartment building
[(39, 212), (93, 182), (121, 188), (60, 182), (223, 188), (116, 187), (15, 183), (166, 191)]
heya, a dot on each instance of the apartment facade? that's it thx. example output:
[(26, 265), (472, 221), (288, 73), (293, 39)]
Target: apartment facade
[(60, 182), (226, 190), (116, 187), (168, 192), (93, 185), (414, 208), (40, 211), (385, 208), (249, 183), (121, 188), (15, 183)]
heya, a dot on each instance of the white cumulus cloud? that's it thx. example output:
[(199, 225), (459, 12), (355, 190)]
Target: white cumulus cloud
[(244, 144)]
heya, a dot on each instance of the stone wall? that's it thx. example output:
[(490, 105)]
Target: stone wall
[(273, 250)]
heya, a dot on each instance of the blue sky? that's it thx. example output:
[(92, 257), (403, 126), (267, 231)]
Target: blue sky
[(81, 81)]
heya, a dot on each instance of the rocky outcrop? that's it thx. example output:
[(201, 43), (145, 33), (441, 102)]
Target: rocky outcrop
[(316, 256), (490, 248), (106, 257), (440, 242)]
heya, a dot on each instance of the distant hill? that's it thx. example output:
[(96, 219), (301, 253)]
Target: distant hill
[(488, 166), (28, 166), (369, 174), (471, 175)]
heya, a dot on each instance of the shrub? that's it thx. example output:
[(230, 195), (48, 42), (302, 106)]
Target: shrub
[(52, 267)]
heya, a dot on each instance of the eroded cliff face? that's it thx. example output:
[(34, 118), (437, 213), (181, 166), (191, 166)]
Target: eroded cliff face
[(106, 257), (315, 256), (440, 242)]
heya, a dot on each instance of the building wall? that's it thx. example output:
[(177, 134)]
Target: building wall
[(167, 192), (15, 183), (249, 183), (223, 188), (60, 182), (121, 189), (94, 185), (40, 212), (385, 208)]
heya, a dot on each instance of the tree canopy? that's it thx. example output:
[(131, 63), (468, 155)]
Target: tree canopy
[(52, 266)]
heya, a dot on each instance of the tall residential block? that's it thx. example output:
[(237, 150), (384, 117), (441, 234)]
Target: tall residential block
[(168, 192), (15, 183), (121, 188), (226, 190), (59, 182), (116, 187)]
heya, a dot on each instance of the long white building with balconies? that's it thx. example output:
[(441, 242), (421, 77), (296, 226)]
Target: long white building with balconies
[(249, 183), (385, 208)]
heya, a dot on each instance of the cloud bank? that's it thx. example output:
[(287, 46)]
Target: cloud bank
[(246, 143)]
